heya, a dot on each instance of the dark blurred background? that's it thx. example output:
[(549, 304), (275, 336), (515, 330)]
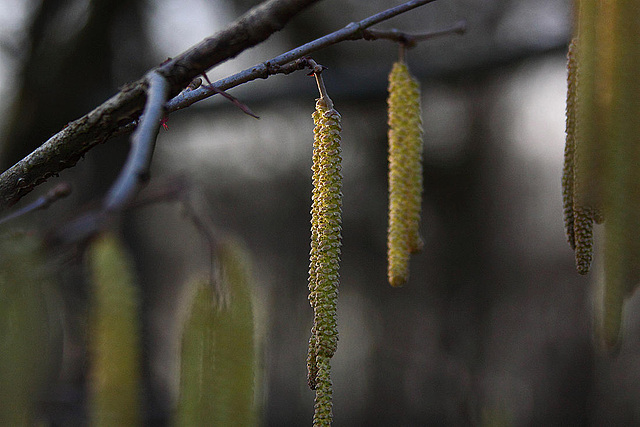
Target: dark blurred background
[(494, 327)]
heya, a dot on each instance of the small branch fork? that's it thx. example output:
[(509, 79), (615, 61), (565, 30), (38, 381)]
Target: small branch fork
[(118, 114), (243, 107), (294, 59), (135, 173), (136, 169)]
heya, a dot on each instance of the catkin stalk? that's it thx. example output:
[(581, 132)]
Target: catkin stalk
[(325, 253), (405, 172)]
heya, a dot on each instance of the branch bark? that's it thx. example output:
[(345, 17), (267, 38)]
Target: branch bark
[(116, 115), (64, 149), (282, 63)]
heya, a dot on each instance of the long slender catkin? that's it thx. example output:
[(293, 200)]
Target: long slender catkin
[(29, 330), (218, 354), (620, 57), (405, 172), (568, 170), (584, 175), (114, 340), (588, 151), (606, 152), (325, 254)]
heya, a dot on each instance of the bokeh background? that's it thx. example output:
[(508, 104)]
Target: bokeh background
[(494, 327)]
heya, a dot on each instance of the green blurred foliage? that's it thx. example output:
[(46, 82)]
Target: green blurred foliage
[(29, 329), (218, 366), (114, 335)]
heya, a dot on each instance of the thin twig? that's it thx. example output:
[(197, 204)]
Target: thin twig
[(58, 192), (353, 31), (65, 148), (135, 172), (295, 59), (180, 189), (204, 226), (410, 40), (242, 106)]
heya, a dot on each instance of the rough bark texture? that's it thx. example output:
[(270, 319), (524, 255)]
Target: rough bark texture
[(65, 148)]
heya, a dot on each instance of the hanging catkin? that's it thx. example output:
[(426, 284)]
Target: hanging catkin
[(621, 52), (569, 148), (584, 153), (114, 338), (325, 254), (29, 327), (218, 354), (405, 172), (580, 188), (578, 218), (606, 149)]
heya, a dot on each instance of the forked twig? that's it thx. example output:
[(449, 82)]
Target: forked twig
[(135, 172), (115, 116), (353, 31)]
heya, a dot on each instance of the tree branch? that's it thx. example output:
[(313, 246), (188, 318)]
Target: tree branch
[(410, 40), (64, 149), (353, 31), (135, 172)]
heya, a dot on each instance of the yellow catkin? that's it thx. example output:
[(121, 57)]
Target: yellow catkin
[(569, 148), (405, 172), (114, 335), (312, 370), (607, 149), (218, 363), (29, 332), (579, 219), (323, 408), (589, 148), (586, 155), (622, 180), (325, 254), (583, 235), (586, 150)]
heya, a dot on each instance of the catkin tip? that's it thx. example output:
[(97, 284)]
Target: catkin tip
[(583, 231), (397, 281)]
